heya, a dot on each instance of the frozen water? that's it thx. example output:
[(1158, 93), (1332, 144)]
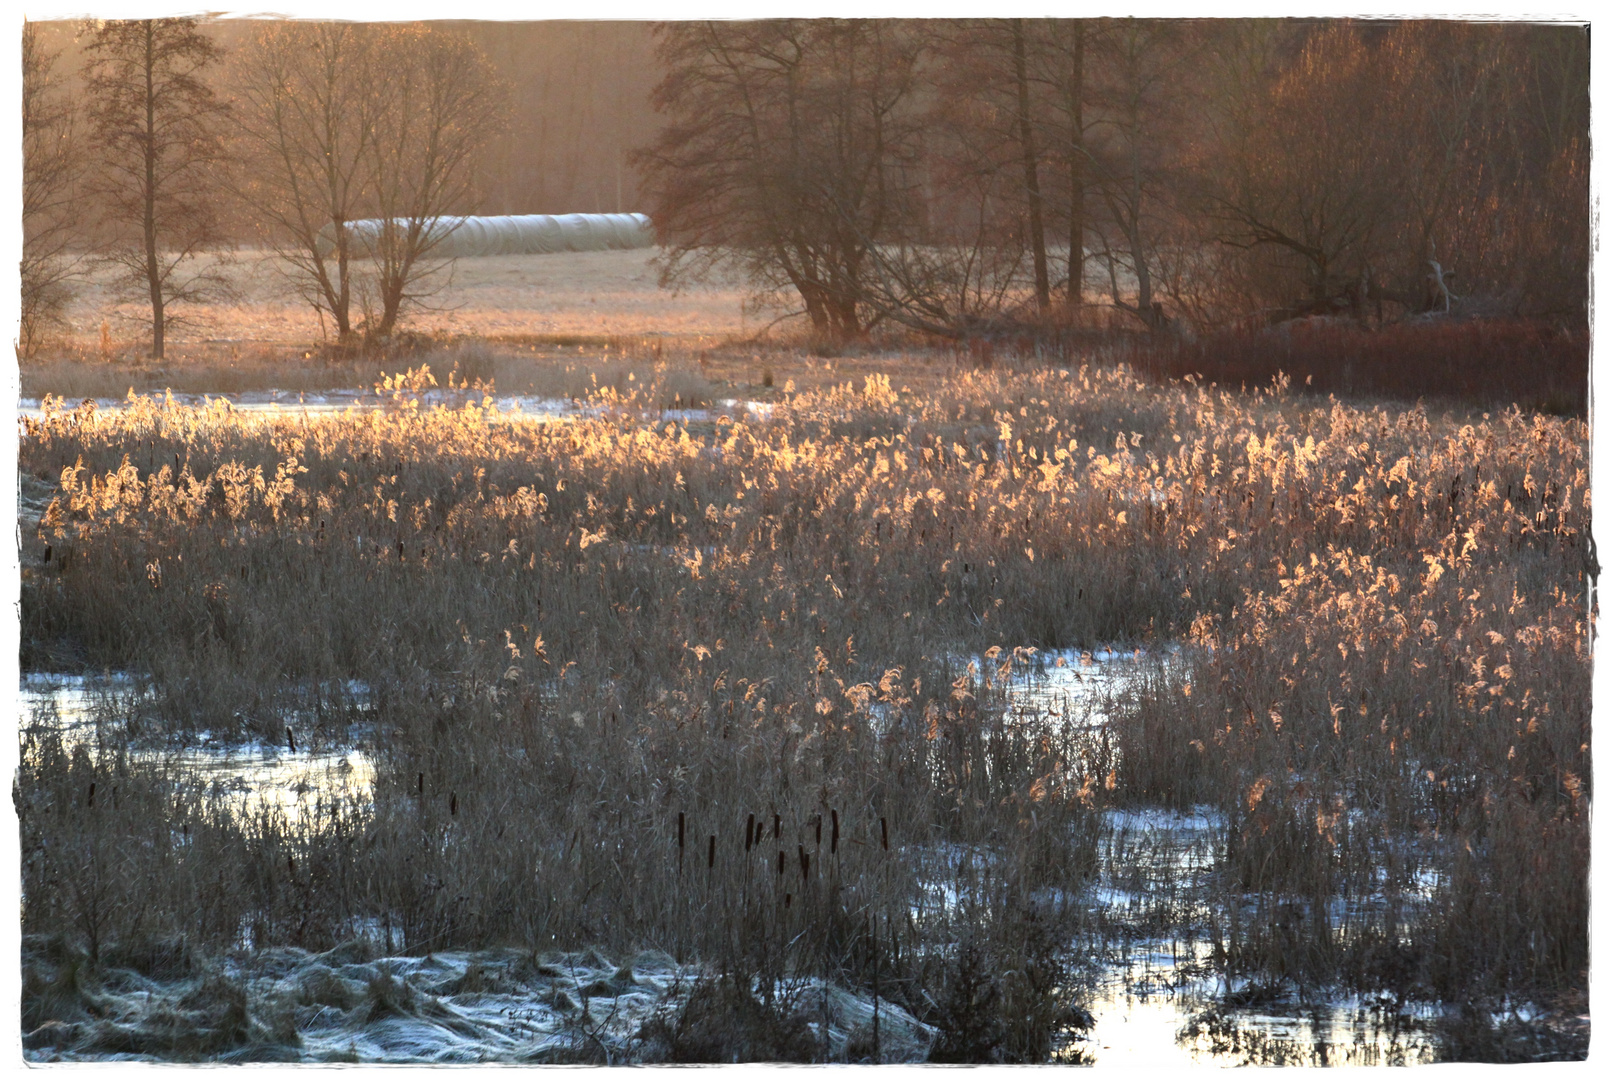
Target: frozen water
[(500, 408), (247, 776), (501, 1005)]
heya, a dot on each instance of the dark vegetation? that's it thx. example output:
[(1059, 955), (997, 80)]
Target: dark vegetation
[(968, 177), (1486, 363)]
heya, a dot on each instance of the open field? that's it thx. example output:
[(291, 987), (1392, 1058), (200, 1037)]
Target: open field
[(604, 311), (740, 688), (591, 294)]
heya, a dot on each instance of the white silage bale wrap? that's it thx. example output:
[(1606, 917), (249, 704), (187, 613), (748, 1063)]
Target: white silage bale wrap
[(522, 234), (549, 237)]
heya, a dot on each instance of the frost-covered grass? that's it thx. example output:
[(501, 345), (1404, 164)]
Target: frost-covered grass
[(164, 1002), (587, 294), (691, 684)]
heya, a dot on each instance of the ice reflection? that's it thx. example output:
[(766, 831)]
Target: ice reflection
[(506, 408), (247, 778), (1155, 994)]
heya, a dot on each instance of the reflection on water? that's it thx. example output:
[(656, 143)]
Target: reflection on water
[(1154, 997), (246, 777)]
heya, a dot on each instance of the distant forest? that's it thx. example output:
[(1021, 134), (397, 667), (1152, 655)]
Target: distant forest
[(938, 175)]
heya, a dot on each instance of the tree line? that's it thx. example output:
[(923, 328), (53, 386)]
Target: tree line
[(951, 176), (302, 128)]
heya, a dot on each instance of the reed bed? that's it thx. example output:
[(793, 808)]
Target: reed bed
[(639, 682)]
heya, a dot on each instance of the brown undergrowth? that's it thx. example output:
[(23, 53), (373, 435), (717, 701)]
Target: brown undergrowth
[(1487, 363)]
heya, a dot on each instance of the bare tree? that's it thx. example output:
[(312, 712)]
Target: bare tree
[(440, 102), (963, 273), (791, 151), (1031, 160), (1133, 153), (156, 127), (307, 109), (52, 167), (1065, 47), (990, 106)]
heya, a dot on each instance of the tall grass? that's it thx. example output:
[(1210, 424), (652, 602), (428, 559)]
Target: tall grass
[(596, 649)]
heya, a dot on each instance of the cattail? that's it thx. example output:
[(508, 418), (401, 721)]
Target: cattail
[(290, 739), (453, 803), (749, 833), (90, 801), (819, 830), (422, 783), (710, 859), (780, 864), (680, 824), (47, 552), (833, 846), (777, 826), (788, 898), (290, 863), (805, 862), (883, 828)]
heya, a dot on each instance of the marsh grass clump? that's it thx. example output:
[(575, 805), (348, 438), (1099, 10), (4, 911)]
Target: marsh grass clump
[(722, 1020), (737, 688)]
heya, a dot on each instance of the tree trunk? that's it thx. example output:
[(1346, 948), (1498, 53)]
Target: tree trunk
[(1076, 172), (153, 272), (1026, 141), (1138, 256), (342, 308)]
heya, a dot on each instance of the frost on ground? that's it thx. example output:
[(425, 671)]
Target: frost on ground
[(159, 1002), (590, 292), (283, 405)]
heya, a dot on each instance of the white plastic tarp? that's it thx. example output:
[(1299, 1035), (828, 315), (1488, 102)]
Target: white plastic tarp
[(523, 234)]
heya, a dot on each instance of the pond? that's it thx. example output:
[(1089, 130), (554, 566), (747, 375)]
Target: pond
[(245, 777)]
